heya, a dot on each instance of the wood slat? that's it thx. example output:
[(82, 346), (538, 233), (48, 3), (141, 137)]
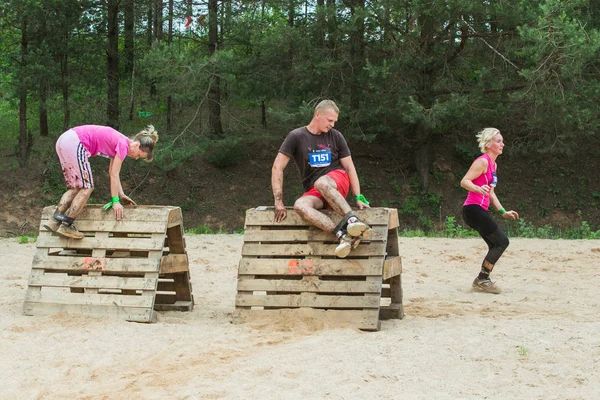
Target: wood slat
[(372, 216), (131, 244), (362, 319), (134, 213), (63, 263), (392, 266), (394, 221), (174, 263), (310, 249), (307, 300), (310, 266), (126, 226), (175, 218), (134, 314), (309, 286), (252, 234), (95, 282), (85, 299)]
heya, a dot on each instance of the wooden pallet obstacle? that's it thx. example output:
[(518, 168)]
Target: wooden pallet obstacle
[(126, 269), (292, 265)]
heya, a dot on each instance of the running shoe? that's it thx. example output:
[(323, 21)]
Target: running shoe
[(485, 286), (69, 231)]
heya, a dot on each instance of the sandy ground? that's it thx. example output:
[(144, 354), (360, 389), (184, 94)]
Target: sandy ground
[(539, 339)]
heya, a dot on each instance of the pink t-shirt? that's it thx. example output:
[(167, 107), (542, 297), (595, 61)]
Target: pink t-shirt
[(103, 141), (486, 178)]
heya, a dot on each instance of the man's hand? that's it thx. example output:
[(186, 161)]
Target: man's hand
[(361, 205), (126, 200), (280, 211), (118, 211)]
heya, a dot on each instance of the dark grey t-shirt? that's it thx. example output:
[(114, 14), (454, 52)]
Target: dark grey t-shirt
[(315, 155)]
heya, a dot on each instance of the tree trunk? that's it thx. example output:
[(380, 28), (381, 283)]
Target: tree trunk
[(426, 98), (149, 30), (331, 26), (357, 51), (128, 31), (43, 108), (112, 61), (214, 94), (158, 19), (321, 23), (24, 138), (170, 40), (263, 114), (64, 83)]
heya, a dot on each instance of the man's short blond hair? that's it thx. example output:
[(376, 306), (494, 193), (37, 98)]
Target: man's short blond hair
[(327, 105)]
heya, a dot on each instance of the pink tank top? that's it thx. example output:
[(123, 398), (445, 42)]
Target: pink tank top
[(487, 178), (103, 141)]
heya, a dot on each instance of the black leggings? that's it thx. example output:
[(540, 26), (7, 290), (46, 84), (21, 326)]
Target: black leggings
[(480, 220)]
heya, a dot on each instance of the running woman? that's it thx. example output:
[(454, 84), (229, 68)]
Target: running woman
[(74, 147), (481, 180)]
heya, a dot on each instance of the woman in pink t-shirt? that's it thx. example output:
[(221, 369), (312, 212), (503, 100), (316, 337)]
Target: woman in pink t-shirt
[(74, 147), (480, 180)]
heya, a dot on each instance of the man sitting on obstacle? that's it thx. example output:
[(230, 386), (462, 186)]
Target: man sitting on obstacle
[(323, 158), (74, 147)]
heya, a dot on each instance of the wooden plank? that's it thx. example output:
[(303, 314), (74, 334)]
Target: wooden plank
[(310, 249), (308, 286), (306, 300), (95, 212), (174, 263), (394, 221), (108, 264), (393, 311), (175, 240), (97, 282), (392, 266), (126, 226), (177, 306), (393, 243), (130, 244), (175, 218), (86, 299), (135, 314), (310, 266), (379, 233), (372, 216), (361, 319)]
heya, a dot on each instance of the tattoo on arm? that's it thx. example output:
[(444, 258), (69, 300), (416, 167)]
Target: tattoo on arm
[(278, 196)]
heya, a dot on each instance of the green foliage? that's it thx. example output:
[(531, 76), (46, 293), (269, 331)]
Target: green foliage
[(223, 153), (200, 230), (452, 229)]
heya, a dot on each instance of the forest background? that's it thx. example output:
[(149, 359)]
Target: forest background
[(224, 82)]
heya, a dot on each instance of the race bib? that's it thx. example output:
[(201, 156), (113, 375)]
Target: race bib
[(494, 180), (319, 158)]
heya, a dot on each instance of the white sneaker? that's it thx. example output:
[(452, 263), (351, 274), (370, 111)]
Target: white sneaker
[(359, 228), (347, 243)]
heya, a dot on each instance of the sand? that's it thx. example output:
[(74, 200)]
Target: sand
[(539, 339)]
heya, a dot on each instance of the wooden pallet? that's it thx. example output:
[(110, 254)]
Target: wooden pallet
[(292, 265), (125, 269)]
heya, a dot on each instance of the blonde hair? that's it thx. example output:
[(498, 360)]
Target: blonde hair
[(485, 137), (147, 138), (327, 105)]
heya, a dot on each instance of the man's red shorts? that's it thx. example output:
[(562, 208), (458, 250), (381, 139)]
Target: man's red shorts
[(340, 177)]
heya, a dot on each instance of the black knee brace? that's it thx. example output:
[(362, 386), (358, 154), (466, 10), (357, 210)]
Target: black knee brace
[(344, 222), (63, 218)]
